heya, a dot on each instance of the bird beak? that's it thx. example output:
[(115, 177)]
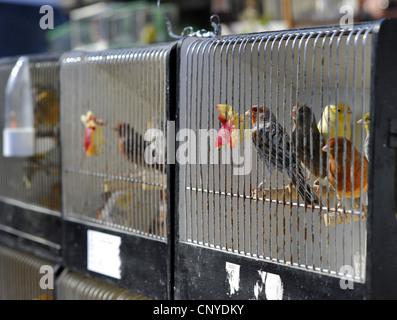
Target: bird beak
[(325, 148), (349, 111), (360, 121), (248, 114)]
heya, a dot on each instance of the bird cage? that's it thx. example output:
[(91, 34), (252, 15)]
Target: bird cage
[(24, 276), (74, 286), (30, 191), (114, 126), (271, 202)]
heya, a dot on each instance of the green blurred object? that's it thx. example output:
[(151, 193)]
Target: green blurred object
[(114, 25)]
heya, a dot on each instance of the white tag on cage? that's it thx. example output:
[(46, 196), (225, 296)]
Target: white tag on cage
[(103, 253), (233, 275)]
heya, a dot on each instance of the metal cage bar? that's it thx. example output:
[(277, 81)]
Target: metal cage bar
[(21, 276), (74, 286)]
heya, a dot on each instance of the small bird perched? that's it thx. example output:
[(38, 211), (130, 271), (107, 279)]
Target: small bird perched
[(367, 120), (330, 117), (46, 107), (269, 139), (309, 152), (46, 120), (340, 169), (133, 145)]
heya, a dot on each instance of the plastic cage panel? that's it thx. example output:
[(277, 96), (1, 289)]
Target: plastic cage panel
[(30, 191), (22, 277), (114, 173), (253, 196), (74, 286)]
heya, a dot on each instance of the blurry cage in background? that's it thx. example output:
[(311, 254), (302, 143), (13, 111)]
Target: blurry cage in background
[(117, 105), (308, 12), (111, 25), (30, 203), (74, 286), (285, 196), (21, 276)]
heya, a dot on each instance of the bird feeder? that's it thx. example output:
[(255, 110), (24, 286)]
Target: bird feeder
[(18, 132)]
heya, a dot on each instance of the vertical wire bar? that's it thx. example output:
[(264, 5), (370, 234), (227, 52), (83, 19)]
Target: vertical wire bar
[(215, 165), (250, 213), (227, 101), (338, 43), (353, 164), (241, 127), (334, 34), (160, 221), (277, 75), (189, 91), (199, 168), (322, 96), (153, 118), (271, 242), (134, 200), (293, 150), (285, 49), (139, 207), (166, 106), (258, 123), (125, 108), (298, 93), (362, 260), (129, 108), (345, 124), (311, 141), (211, 146), (196, 124), (319, 147), (256, 181)]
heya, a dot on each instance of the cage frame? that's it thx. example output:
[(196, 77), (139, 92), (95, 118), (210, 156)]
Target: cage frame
[(200, 270), (146, 266)]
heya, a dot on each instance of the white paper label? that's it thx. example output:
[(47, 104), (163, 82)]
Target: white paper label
[(233, 275), (103, 253)]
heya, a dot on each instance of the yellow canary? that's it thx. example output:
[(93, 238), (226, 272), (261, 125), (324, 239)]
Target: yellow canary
[(46, 108), (46, 119), (330, 117)]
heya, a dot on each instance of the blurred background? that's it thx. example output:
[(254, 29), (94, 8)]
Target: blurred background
[(98, 25)]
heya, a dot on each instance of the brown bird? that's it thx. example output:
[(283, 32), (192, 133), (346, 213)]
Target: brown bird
[(309, 152), (340, 168), (132, 145)]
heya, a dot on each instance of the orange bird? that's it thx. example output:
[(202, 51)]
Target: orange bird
[(342, 166)]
